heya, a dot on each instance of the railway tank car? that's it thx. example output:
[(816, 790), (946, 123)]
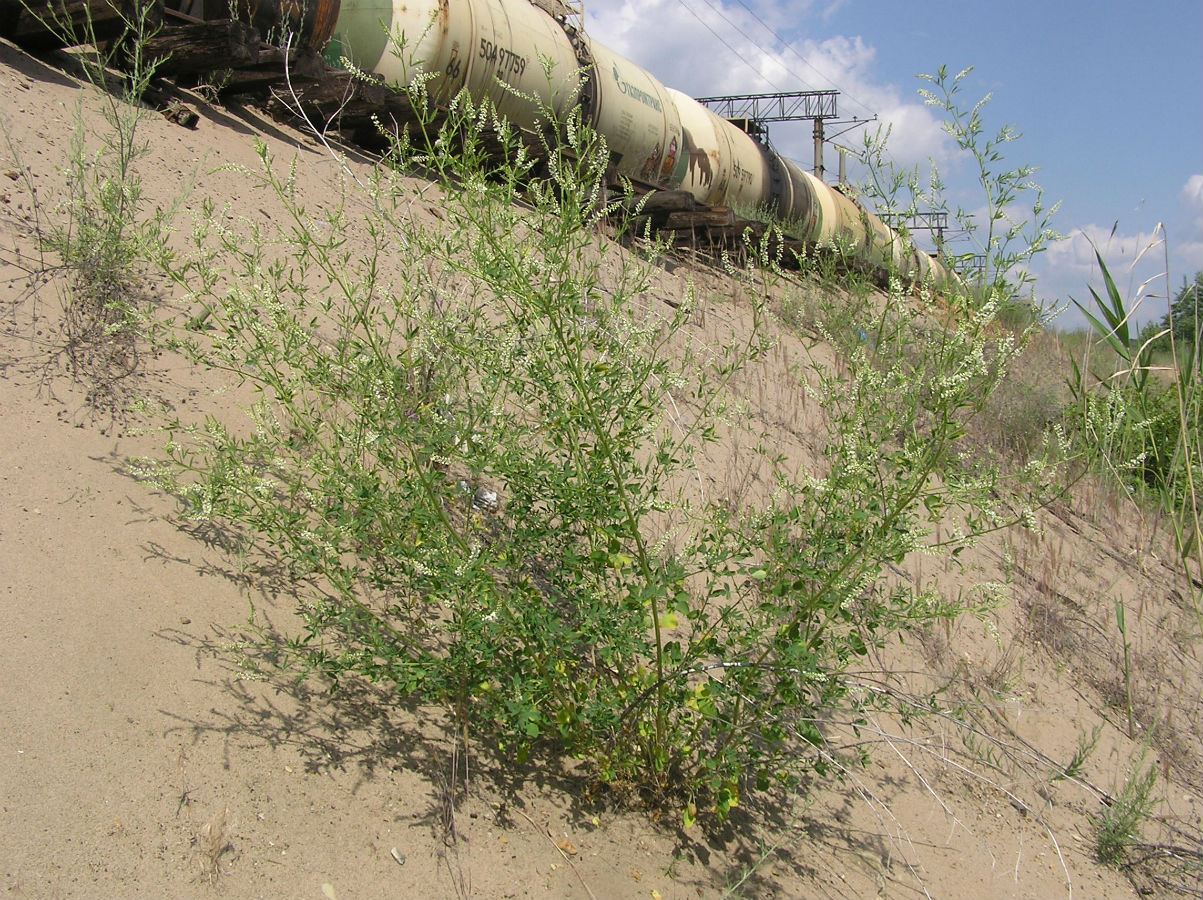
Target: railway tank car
[(656, 135)]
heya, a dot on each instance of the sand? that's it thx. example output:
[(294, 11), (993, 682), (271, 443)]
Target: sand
[(140, 756)]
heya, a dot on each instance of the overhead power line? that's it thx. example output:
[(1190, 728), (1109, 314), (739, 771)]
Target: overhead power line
[(773, 57), (723, 41), (779, 40)]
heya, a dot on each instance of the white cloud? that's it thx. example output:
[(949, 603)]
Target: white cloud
[(1188, 249), (1192, 192), (696, 48), (830, 10)]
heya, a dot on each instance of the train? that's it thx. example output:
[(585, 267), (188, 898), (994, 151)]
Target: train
[(506, 51), (658, 137)]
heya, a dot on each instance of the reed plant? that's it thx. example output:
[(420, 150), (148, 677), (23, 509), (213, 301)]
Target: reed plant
[(1141, 423)]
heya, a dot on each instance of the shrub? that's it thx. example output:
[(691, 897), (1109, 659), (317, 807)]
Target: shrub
[(464, 453)]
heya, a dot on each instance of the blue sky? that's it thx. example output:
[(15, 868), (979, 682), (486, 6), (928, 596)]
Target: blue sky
[(1108, 98)]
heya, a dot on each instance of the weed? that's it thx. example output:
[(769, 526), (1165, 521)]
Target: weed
[(1077, 763), (1008, 241), (1117, 827), (1028, 405), (98, 231), (1009, 238), (1121, 624)]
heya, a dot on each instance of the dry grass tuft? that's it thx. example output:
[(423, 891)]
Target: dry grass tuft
[(211, 843)]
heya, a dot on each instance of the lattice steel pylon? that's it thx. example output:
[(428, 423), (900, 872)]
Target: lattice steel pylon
[(923, 220)]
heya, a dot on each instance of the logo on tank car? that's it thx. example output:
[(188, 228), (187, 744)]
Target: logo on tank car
[(635, 93)]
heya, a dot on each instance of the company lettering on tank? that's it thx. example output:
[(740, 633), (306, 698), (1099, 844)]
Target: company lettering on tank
[(633, 92), (742, 175)]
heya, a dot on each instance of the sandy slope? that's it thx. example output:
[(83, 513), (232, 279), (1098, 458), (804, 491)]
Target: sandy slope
[(136, 759)]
